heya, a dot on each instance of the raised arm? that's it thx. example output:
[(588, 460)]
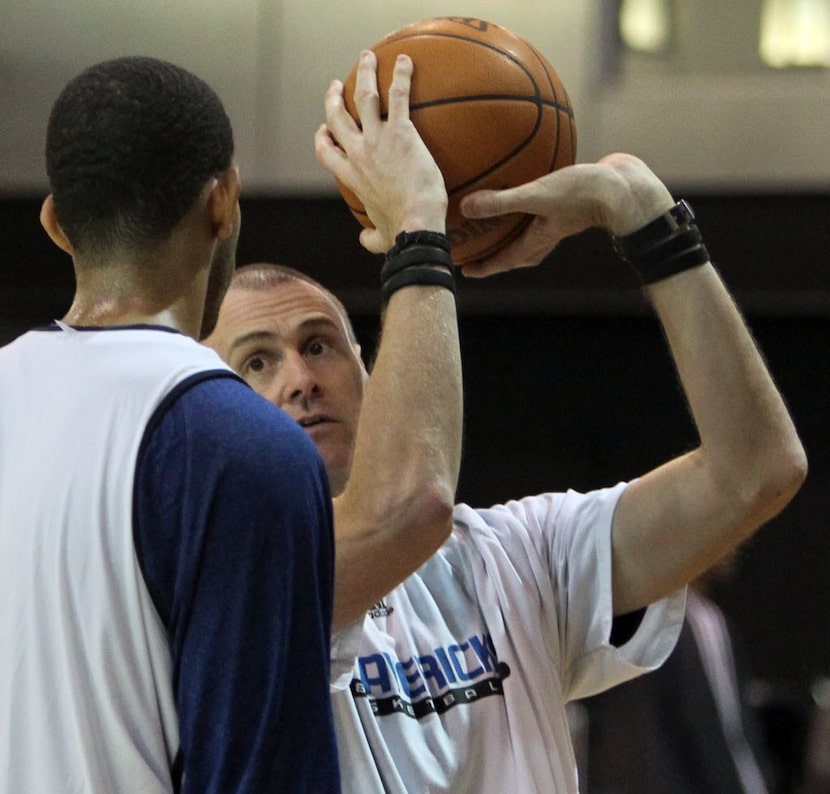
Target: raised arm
[(675, 521), (396, 509)]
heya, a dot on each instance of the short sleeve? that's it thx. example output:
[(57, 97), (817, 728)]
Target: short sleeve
[(579, 535), (233, 531), (559, 544)]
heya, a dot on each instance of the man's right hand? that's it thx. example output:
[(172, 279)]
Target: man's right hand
[(385, 163)]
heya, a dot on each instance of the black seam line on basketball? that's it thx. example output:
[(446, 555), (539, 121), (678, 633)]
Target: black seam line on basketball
[(552, 86), (533, 100), (451, 191), (539, 105), (478, 43), (536, 98), (508, 238), (536, 101), (455, 189)]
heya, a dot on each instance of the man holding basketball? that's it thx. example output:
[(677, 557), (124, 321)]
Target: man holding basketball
[(462, 673)]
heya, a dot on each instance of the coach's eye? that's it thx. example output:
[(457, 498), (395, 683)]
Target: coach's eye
[(316, 347), (254, 364)]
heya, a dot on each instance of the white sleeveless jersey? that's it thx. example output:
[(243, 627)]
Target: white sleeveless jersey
[(85, 685), (463, 672)]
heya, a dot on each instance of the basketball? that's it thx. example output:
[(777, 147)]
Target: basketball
[(491, 110)]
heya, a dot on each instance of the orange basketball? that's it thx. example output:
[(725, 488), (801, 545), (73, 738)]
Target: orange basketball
[(491, 110)]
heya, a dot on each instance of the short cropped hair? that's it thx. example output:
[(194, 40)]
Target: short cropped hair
[(264, 275), (130, 144)]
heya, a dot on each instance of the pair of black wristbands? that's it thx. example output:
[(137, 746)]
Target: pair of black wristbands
[(668, 245)]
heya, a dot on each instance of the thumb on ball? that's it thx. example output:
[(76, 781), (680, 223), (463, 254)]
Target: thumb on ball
[(485, 203)]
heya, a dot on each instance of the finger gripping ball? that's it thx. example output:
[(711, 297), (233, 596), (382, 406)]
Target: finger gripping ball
[(490, 108)]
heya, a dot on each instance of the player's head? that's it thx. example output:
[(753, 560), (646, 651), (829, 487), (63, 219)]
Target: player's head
[(131, 144), (292, 341)]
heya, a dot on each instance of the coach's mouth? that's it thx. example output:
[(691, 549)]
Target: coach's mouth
[(308, 422)]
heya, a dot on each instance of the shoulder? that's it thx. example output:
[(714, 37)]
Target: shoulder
[(219, 444), (217, 465), (218, 414)]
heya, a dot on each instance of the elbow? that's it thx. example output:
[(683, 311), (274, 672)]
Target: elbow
[(433, 509), (427, 519), (791, 472), (779, 480), (411, 514), (441, 493)]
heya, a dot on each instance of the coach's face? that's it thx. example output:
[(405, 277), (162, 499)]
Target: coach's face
[(290, 343)]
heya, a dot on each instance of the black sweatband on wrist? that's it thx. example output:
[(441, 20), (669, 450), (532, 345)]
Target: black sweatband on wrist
[(668, 245), (679, 241), (422, 237), (671, 266), (414, 255), (421, 257), (631, 246), (418, 275)]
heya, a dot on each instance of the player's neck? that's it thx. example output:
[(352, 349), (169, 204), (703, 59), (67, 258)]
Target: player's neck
[(116, 295)]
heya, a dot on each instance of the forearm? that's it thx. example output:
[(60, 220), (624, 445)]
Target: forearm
[(397, 506), (396, 509), (745, 431), (748, 465)]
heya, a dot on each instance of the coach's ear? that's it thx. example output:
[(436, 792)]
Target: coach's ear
[(49, 221)]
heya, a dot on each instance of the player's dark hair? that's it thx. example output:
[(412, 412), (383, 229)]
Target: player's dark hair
[(129, 146)]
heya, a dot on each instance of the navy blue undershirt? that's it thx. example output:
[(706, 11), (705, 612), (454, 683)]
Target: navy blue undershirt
[(233, 532)]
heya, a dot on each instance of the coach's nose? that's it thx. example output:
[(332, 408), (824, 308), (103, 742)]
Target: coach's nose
[(299, 381)]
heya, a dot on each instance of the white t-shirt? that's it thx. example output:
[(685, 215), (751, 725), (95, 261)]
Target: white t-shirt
[(463, 672)]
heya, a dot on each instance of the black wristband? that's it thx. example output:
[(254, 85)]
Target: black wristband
[(631, 246), (425, 276), (677, 243), (685, 260), (421, 257), (668, 245), (406, 239), (414, 255)]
